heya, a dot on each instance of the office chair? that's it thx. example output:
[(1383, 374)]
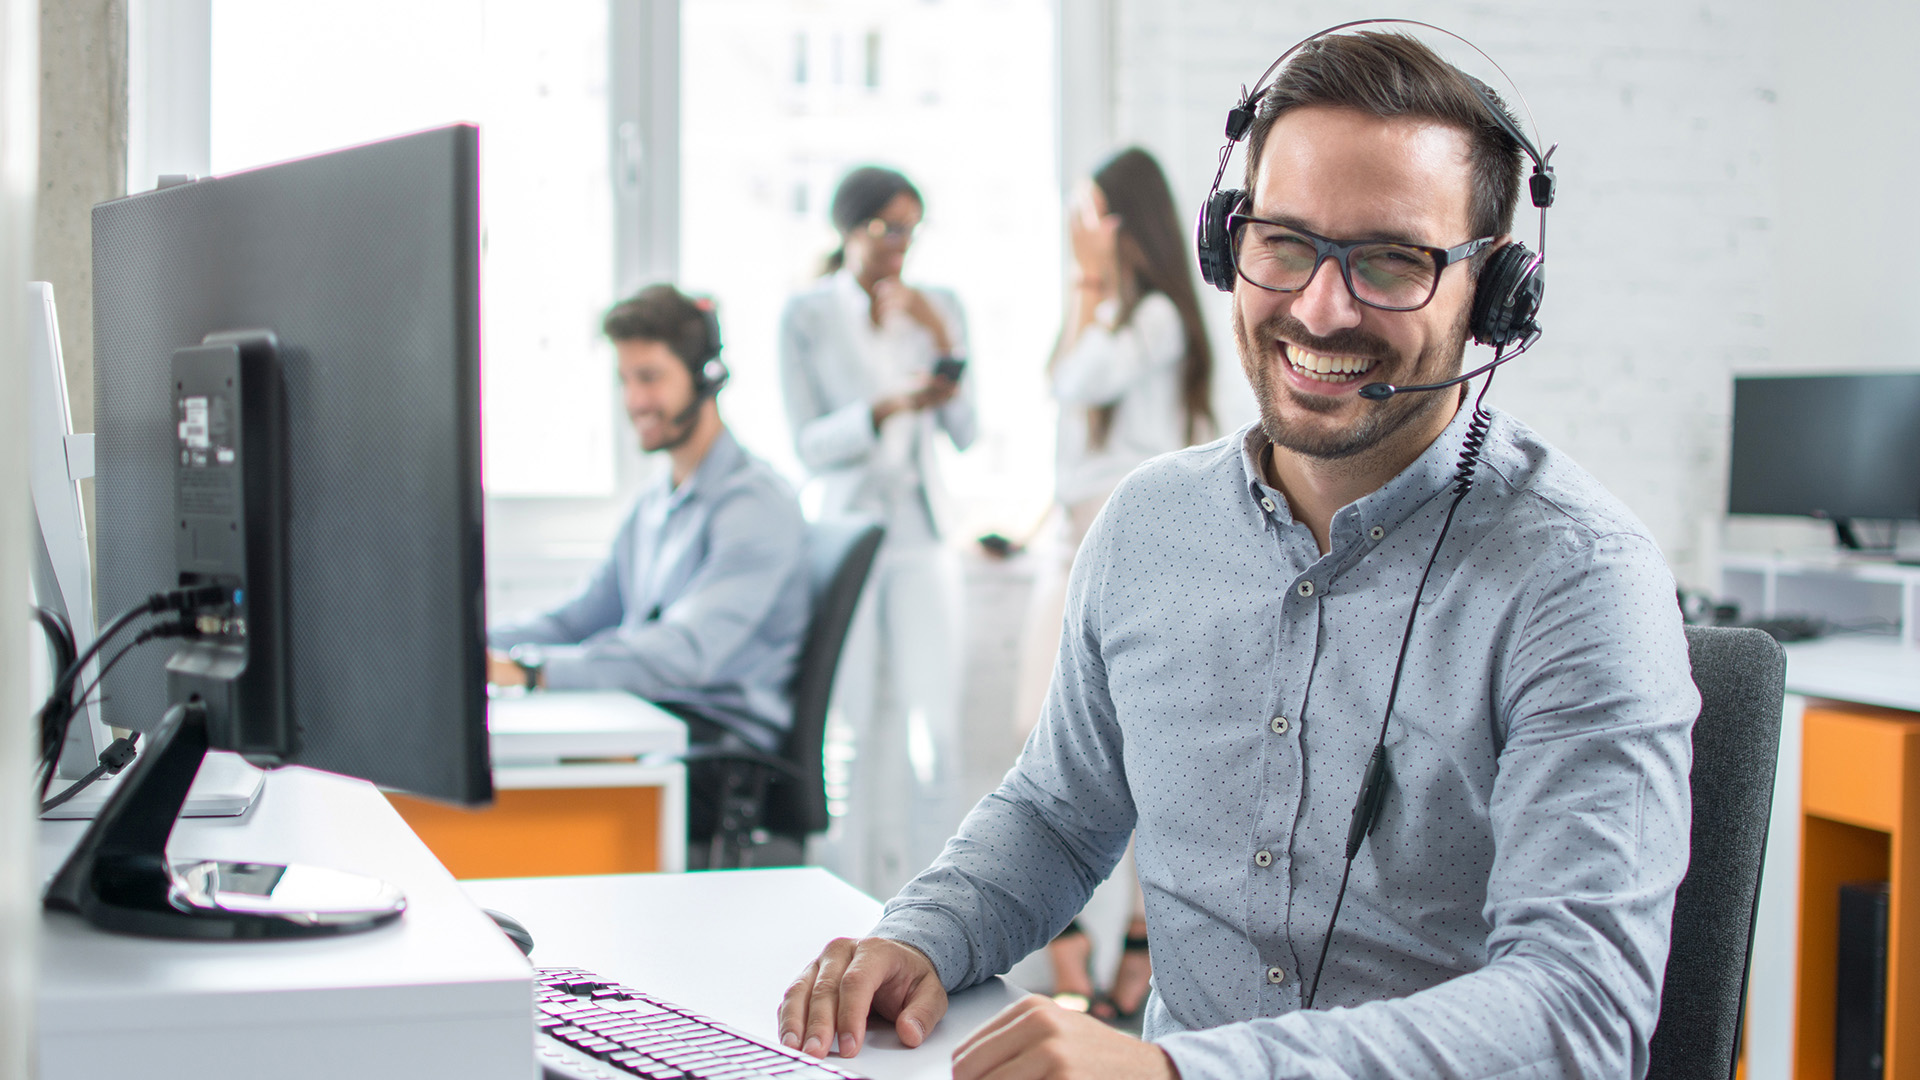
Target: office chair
[(1741, 674), (768, 799)]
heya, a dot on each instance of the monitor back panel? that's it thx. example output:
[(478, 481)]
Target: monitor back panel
[(365, 263)]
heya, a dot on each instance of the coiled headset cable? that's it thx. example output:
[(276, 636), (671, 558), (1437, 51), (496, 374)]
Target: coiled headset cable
[(1373, 786)]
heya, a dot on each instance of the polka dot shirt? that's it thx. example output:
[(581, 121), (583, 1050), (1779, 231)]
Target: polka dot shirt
[(1219, 688)]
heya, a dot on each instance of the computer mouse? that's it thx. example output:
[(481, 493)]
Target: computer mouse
[(511, 927)]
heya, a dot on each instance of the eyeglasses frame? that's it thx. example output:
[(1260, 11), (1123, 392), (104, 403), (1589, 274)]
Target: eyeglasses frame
[(1325, 248)]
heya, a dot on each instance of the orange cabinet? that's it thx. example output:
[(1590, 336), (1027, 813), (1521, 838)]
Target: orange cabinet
[(1860, 820)]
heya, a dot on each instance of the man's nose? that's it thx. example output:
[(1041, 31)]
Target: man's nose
[(1326, 304)]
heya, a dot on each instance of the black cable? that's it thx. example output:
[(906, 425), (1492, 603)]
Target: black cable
[(1373, 787), (56, 716), (114, 758)]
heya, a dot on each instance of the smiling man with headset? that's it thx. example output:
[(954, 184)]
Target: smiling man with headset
[(1395, 696)]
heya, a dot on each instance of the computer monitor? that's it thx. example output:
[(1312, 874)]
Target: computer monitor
[(1838, 447), (62, 580), (337, 296)]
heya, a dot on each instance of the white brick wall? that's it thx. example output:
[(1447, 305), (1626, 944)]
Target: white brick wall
[(1677, 222)]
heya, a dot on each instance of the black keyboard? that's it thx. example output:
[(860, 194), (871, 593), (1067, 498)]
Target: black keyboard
[(591, 1026)]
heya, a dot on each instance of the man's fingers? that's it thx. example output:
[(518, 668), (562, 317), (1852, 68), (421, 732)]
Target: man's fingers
[(869, 969), (793, 1006), (814, 997), (1011, 1032), (926, 1004)]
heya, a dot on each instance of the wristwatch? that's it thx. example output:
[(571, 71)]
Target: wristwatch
[(531, 661)]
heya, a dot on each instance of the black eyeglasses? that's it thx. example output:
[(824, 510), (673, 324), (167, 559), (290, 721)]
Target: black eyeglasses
[(1391, 277)]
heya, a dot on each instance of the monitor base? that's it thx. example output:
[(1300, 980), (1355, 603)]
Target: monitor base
[(119, 877)]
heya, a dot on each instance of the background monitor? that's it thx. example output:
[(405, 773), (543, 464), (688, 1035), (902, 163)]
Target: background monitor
[(1839, 447), (364, 264), (56, 462)]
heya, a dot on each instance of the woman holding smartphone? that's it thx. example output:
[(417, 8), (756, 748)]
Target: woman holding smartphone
[(873, 372)]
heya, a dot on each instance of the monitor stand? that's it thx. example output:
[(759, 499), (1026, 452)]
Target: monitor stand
[(121, 878)]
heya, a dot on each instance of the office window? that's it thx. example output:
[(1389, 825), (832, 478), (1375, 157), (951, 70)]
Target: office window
[(291, 80), (964, 106)]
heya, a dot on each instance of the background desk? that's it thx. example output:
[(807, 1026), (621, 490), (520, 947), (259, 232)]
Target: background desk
[(1783, 1040), (439, 992), (725, 943), (586, 782)]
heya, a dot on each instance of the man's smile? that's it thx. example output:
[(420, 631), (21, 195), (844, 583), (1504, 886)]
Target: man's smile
[(1325, 369)]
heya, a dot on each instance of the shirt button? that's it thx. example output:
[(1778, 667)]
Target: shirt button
[(1376, 532), (1267, 505), (1279, 725), (1276, 975), (1305, 588), (1263, 858)]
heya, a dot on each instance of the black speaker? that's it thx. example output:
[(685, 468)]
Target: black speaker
[(1860, 1003)]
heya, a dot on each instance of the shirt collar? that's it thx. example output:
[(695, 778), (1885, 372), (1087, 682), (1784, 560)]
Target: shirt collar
[(1388, 506), (722, 458)]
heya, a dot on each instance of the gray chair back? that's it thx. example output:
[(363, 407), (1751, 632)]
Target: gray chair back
[(840, 553), (1736, 746)]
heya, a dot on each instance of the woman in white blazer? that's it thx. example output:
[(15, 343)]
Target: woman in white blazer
[(1132, 374), (872, 372)]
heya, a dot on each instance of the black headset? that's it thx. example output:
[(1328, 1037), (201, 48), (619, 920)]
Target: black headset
[(710, 374), (1506, 298)]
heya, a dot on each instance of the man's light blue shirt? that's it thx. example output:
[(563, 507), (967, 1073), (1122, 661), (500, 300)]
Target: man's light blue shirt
[(702, 604), (1219, 687)]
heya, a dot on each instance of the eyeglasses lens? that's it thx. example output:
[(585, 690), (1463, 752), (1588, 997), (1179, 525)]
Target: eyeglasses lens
[(881, 229), (1390, 276)]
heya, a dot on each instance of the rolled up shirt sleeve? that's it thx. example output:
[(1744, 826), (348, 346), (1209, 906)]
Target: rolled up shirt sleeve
[(1027, 858), (754, 547)]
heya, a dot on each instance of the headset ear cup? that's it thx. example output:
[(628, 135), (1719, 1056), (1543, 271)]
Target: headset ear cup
[(1507, 297), (713, 377), (1210, 237)]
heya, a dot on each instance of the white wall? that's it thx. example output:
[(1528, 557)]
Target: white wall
[(19, 906), (1661, 247)]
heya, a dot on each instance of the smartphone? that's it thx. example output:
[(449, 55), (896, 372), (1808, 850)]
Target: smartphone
[(949, 368)]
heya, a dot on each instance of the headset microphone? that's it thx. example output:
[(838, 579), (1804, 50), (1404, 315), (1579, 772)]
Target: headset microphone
[(1380, 391)]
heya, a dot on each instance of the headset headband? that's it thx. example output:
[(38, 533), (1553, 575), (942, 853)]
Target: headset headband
[(1540, 186)]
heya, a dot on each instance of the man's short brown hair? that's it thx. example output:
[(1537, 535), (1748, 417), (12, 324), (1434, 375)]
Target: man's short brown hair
[(664, 314), (1389, 75)]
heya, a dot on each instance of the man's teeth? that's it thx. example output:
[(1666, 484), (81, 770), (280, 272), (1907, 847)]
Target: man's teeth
[(1333, 369)]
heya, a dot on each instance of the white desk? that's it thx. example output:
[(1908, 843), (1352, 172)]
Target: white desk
[(726, 944), (439, 992), (558, 739), (1871, 671)]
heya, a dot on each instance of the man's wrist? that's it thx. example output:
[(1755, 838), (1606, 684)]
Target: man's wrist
[(532, 662)]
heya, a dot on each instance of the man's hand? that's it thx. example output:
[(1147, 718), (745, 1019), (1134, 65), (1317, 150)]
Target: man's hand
[(502, 671), (828, 1005), (1034, 1037)]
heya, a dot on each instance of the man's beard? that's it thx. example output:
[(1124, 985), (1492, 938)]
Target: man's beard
[(679, 428), (1263, 357)]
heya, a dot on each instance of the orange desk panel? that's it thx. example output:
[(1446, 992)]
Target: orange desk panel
[(1860, 820), (543, 832)]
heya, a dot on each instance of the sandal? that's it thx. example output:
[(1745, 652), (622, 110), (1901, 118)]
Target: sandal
[(1106, 1006), (1073, 1000)]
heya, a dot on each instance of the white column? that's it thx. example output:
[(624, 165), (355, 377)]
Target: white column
[(19, 902), (169, 90)]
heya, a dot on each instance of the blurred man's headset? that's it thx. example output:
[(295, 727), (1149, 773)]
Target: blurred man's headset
[(1507, 296), (710, 373)]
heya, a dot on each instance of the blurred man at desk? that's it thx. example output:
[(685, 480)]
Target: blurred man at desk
[(1236, 632), (702, 605)]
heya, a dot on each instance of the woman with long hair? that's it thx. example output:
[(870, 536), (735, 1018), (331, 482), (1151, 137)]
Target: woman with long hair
[(1133, 375), (872, 372)]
